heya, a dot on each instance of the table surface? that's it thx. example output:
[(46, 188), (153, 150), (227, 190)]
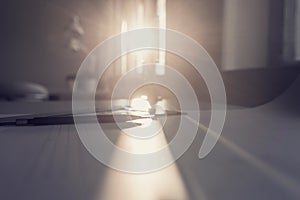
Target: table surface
[(257, 157)]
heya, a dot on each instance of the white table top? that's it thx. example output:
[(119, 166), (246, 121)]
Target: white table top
[(256, 158)]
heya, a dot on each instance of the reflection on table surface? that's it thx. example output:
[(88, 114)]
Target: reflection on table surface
[(256, 158)]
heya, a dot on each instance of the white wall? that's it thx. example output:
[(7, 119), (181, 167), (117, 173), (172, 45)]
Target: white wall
[(245, 36)]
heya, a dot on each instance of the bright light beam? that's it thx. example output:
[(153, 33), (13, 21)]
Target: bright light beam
[(140, 24), (166, 183), (162, 24), (123, 48)]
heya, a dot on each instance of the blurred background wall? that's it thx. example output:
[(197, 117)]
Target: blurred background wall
[(44, 41), (36, 34), (246, 32)]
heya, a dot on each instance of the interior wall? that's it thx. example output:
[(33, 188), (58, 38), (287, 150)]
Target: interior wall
[(36, 34), (245, 34), (201, 20), (297, 34), (36, 37)]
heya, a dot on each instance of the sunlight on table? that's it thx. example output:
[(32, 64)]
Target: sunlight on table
[(163, 184)]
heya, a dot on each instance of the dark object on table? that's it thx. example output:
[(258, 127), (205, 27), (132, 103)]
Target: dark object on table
[(23, 91)]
